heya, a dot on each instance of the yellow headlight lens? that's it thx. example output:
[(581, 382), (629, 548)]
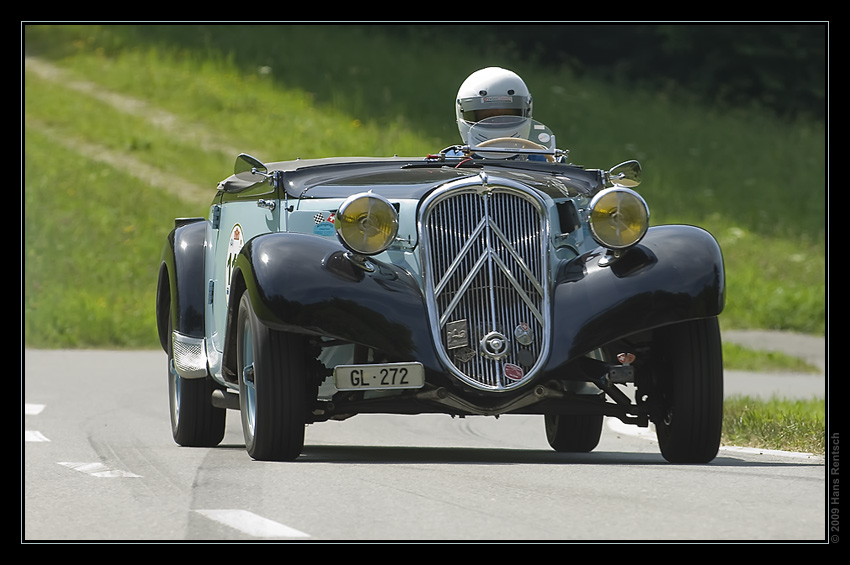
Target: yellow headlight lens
[(366, 223), (619, 217)]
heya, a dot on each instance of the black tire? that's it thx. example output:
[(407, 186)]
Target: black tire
[(688, 379), (195, 422), (272, 386), (573, 433)]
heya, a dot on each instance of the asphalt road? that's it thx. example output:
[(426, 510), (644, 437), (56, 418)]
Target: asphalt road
[(790, 385), (99, 465)]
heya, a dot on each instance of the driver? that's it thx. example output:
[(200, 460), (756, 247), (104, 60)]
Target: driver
[(492, 92)]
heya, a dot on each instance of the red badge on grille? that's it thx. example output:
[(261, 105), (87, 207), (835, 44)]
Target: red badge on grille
[(513, 372)]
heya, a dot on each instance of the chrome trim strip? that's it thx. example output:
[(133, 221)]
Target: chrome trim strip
[(461, 291), (461, 254)]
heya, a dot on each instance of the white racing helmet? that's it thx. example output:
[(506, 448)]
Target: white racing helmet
[(493, 92)]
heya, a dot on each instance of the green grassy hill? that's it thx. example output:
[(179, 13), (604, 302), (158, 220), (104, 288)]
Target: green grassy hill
[(127, 127)]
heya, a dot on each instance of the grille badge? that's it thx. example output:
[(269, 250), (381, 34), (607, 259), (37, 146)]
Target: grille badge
[(523, 334), (457, 334), (494, 345), (464, 354), (514, 372)]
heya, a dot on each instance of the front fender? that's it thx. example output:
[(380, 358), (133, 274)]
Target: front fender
[(180, 288), (676, 273), (302, 283)]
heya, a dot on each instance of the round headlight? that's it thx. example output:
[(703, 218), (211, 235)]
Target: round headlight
[(366, 223), (618, 218)]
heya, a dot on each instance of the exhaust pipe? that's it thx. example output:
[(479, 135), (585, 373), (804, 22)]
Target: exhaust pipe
[(224, 399)]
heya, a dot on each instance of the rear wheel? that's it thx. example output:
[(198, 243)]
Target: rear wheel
[(195, 422), (688, 383), (573, 433), (271, 388)]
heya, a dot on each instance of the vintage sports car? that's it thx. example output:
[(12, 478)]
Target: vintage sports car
[(482, 280)]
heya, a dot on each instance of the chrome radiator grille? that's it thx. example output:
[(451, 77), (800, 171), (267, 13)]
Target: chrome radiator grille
[(486, 274)]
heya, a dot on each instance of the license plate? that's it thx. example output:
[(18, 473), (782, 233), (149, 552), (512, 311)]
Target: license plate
[(379, 377)]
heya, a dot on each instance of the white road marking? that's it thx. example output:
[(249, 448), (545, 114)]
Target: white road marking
[(33, 409), (98, 470), (252, 524), (758, 451), (32, 435)]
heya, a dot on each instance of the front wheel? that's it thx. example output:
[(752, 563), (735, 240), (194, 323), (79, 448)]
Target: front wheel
[(271, 388), (688, 381)]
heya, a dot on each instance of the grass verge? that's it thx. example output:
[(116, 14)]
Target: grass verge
[(782, 424)]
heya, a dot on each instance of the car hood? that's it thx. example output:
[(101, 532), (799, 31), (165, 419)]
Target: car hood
[(406, 178)]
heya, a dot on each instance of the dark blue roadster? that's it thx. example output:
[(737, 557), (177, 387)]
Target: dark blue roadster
[(482, 280)]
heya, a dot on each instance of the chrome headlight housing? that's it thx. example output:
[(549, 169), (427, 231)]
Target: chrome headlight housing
[(618, 218), (366, 223)]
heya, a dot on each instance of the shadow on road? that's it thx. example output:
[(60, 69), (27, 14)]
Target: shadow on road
[(393, 455)]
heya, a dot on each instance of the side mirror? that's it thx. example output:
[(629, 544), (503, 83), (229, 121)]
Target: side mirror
[(247, 168), (625, 174)]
